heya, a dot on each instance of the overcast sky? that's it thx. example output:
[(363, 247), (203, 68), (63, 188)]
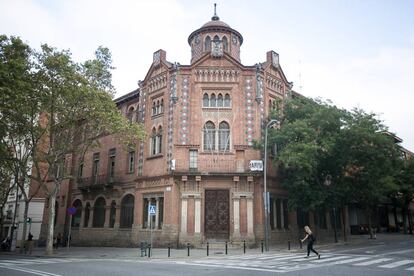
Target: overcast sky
[(355, 53)]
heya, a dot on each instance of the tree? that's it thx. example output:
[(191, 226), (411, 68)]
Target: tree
[(55, 108), (405, 193), (76, 99), (330, 157)]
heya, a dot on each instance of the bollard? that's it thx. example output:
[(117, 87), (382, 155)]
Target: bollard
[(262, 245), (188, 249), (149, 251), (226, 248), (288, 244), (208, 248), (169, 248), (300, 242), (244, 247)]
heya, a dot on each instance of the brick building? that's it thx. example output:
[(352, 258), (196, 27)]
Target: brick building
[(197, 164)]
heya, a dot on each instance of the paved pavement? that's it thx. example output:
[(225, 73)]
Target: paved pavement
[(161, 253)]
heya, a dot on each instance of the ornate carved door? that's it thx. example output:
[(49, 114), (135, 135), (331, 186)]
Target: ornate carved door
[(217, 214)]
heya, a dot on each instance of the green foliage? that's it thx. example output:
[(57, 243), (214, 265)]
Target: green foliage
[(331, 157)]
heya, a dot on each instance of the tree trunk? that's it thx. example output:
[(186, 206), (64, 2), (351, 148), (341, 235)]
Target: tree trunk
[(397, 227), (26, 211), (404, 215), (345, 222), (371, 235), (410, 222), (51, 223)]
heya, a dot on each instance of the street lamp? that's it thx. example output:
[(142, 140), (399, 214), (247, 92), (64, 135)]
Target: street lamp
[(328, 181), (266, 198)]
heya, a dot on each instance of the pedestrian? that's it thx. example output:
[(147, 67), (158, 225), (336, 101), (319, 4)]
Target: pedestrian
[(30, 243), (311, 239)]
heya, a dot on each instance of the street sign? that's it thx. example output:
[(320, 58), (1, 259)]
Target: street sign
[(256, 165), (72, 211), (152, 209)]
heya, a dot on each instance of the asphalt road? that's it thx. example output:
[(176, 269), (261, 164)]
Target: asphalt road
[(378, 258)]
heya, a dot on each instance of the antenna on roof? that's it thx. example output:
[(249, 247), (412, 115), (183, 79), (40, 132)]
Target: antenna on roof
[(215, 17)]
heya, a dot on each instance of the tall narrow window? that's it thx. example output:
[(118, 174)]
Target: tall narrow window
[(99, 212), (130, 114), (162, 106), (278, 214), (131, 161), (127, 211), (225, 44), (111, 163), (87, 214), (160, 211), (112, 215), (213, 100), (80, 170), (145, 222), (205, 100), (153, 142), (193, 159), (76, 219), (224, 136), (220, 100), (159, 144), (95, 166), (209, 136), (227, 100), (158, 107), (207, 44), (285, 214), (154, 109)]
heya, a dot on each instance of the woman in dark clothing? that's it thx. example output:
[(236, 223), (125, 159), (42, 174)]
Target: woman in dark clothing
[(311, 239)]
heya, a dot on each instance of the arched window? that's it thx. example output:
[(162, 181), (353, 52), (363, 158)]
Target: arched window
[(127, 211), (153, 142), (225, 44), (209, 136), (162, 106), (159, 144), (224, 136), (216, 38), (158, 107), (213, 100), (227, 100), (207, 44), (87, 214), (112, 214), (76, 219), (205, 100), (99, 212), (154, 109), (220, 100), (130, 114)]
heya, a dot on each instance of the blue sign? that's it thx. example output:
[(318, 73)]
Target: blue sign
[(152, 209)]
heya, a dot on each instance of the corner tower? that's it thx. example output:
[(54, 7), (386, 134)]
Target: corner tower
[(216, 38)]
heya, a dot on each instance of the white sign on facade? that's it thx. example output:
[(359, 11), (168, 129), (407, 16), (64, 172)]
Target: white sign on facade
[(152, 209), (256, 165)]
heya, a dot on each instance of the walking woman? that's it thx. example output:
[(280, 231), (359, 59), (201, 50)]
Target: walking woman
[(311, 239)]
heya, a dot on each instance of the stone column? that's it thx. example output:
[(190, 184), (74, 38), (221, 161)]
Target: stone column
[(282, 218), (157, 204), (236, 215), (197, 215), (117, 216), (250, 217), (107, 216), (149, 215), (184, 216), (82, 220), (90, 222)]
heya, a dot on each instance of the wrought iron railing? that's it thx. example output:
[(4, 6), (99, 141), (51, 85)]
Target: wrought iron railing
[(96, 181), (211, 165)]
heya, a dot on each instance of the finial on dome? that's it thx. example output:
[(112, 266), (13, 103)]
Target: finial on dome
[(215, 17)]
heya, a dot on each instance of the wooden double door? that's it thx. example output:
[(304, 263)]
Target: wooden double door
[(217, 214)]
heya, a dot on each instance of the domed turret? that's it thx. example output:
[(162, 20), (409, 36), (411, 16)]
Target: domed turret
[(216, 37)]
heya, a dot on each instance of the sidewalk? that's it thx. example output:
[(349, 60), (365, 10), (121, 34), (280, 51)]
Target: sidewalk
[(162, 253)]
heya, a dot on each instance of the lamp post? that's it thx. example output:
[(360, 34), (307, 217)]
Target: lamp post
[(265, 197), (328, 181)]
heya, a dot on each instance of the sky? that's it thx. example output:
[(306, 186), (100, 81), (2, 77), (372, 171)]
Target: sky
[(356, 53)]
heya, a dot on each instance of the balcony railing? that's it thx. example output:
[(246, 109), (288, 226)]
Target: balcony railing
[(212, 165), (96, 181)]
